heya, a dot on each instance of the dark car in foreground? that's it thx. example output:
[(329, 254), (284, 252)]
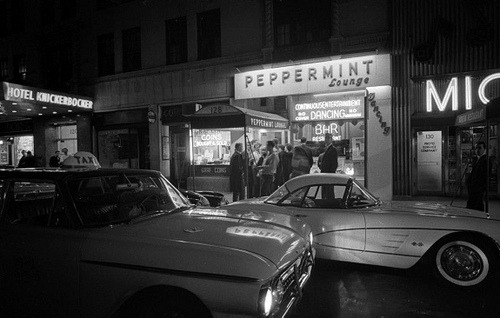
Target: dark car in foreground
[(126, 243)]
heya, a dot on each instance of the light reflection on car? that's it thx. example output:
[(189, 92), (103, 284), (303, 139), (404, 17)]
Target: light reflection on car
[(123, 242), (460, 246)]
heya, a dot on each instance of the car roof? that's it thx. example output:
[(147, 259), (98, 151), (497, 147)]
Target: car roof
[(59, 174), (317, 178)]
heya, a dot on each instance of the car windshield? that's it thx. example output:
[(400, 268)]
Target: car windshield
[(348, 195), (359, 196), (118, 198), (277, 195)]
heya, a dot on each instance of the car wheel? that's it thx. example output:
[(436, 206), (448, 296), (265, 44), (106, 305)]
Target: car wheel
[(166, 306), (464, 262)]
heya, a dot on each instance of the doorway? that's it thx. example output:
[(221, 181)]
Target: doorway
[(180, 155)]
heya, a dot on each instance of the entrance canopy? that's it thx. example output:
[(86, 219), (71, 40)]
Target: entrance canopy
[(19, 101), (488, 112), (228, 116)]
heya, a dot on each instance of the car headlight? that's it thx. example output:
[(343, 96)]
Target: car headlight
[(271, 298), (267, 301)]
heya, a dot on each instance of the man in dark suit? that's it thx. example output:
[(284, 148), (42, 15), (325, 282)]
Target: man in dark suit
[(302, 159), (329, 162), (236, 175), (477, 180)]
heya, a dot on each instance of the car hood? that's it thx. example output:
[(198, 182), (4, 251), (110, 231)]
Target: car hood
[(213, 241)]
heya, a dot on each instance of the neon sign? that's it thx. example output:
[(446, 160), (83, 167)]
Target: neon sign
[(452, 91)]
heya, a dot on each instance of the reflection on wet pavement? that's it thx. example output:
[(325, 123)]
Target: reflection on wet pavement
[(347, 290)]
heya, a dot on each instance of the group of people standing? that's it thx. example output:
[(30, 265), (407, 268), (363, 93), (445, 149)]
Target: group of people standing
[(275, 165), (57, 159), (28, 160)]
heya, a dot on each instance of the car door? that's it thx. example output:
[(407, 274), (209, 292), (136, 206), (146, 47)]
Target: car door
[(39, 251), (339, 233)]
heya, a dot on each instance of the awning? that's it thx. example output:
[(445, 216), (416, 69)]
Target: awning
[(489, 111), (19, 101), (229, 116)]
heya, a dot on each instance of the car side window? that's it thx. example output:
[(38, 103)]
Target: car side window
[(35, 203), (328, 196)]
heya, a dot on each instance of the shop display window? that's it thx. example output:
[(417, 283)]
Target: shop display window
[(348, 137), (215, 146)]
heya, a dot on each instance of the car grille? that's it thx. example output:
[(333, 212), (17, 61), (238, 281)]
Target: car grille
[(293, 280)]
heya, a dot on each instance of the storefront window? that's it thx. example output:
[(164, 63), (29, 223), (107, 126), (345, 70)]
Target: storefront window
[(348, 138), (118, 148), (214, 146)]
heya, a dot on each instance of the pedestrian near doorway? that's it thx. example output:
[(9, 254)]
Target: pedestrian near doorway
[(22, 160), (329, 161), (302, 159), (477, 180), (54, 160), (63, 155), (268, 168), (236, 176)]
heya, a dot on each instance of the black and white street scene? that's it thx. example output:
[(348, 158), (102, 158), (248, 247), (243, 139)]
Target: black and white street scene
[(249, 158)]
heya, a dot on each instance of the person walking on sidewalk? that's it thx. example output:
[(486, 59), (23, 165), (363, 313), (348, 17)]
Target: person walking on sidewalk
[(302, 159), (236, 166), (268, 169), (477, 180), (329, 161)]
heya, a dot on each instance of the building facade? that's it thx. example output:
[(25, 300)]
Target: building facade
[(151, 65), (445, 64)]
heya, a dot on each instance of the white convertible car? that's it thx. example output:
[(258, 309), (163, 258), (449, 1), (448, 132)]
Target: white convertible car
[(350, 224)]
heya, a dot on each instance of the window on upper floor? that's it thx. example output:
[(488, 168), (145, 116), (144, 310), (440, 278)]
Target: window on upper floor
[(57, 67), (17, 18), (47, 12), (131, 41), (20, 69), (68, 9), (4, 16), (104, 4), (4, 68), (209, 34), (293, 23), (106, 54), (176, 37)]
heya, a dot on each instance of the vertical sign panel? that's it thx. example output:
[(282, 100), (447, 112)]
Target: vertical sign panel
[(429, 161)]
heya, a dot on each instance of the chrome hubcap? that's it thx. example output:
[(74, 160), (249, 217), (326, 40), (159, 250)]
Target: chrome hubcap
[(461, 262)]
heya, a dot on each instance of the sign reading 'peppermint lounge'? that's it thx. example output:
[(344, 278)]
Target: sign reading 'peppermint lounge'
[(333, 76), (25, 94)]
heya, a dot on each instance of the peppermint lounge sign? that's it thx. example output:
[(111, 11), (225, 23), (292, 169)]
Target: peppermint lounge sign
[(26, 94), (331, 77)]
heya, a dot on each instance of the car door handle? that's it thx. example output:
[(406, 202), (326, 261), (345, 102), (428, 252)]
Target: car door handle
[(300, 215)]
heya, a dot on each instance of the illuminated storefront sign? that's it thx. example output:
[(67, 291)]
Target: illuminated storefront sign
[(321, 129), (203, 138), (329, 107), (452, 93), (332, 76), (20, 93)]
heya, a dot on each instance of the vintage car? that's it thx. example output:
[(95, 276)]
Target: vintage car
[(349, 224), (126, 243)]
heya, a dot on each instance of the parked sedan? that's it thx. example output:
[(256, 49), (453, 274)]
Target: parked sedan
[(350, 224), (126, 243)]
